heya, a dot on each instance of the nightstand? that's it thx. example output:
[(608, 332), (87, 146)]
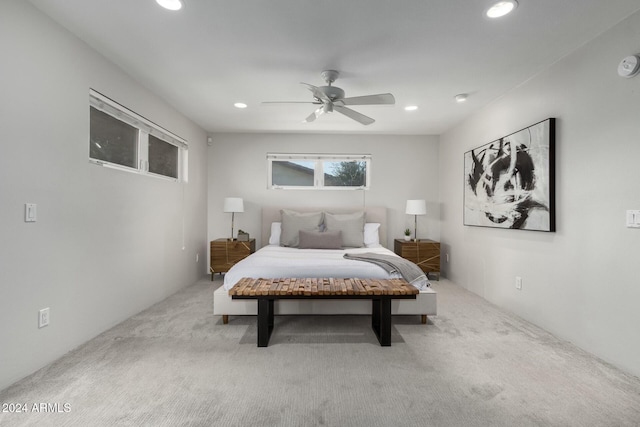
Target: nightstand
[(225, 253), (425, 253)]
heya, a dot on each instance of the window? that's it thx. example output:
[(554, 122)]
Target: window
[(122, 139), (163, 157), (113, 141), (319, 171)]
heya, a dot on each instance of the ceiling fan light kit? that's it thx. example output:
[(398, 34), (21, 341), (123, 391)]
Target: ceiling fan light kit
[(171, 4), (331, 98), (502, 8)]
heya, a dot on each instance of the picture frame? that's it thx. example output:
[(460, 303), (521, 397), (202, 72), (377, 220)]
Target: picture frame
[(510, 182)]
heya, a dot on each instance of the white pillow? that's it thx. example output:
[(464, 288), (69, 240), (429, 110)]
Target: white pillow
[(276, 229), (371, 236)]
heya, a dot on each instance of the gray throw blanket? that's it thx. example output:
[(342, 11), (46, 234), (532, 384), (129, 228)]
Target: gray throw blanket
[(394, 264)]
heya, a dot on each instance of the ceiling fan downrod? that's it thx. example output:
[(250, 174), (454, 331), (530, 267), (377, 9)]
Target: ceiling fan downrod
[(329, 76)]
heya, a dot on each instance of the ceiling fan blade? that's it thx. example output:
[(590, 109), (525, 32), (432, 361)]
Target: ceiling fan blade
[(290, 102), (380, 99), (361, 118), (314, 115), (317, 92)]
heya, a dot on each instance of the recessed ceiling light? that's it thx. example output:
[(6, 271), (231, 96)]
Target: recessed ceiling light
[(411, 108), (502, 8), (462, 97), (240, 105), (171, 4)]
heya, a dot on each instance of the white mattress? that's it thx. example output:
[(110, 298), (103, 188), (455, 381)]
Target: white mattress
[(273, 262)]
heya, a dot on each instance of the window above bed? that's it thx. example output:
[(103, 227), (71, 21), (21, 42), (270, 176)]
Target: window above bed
[(318, 171)]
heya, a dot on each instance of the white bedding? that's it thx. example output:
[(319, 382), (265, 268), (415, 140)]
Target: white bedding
[(276, 261)]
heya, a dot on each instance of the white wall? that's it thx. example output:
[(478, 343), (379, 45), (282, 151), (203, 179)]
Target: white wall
[(107, 243), (581, 282), (402, 167)]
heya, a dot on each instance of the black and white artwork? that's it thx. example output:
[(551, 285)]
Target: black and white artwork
[(509, 183)]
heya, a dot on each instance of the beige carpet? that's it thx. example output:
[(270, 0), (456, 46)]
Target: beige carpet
[(472, 365)]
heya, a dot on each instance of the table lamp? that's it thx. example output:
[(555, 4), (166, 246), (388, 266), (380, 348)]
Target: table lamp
[(416, 207), (233, 205)]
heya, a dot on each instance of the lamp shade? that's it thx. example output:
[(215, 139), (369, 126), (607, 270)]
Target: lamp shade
[(233, 204), (416, 207)]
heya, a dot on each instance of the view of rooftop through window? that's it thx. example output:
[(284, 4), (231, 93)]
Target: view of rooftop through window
[(336, 173)]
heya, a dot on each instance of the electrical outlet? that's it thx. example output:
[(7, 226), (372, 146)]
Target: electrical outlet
[(519, 283), (447, 257), (197, 257), (43, 317)]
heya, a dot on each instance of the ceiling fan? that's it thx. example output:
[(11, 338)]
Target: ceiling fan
[(331, 98)]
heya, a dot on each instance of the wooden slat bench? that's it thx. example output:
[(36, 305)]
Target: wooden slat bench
[(379, 291)]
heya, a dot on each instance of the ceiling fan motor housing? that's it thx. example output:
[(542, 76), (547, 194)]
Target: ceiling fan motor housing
[(333, 93)]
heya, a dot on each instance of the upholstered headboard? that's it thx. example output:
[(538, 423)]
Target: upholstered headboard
[(377, 214)]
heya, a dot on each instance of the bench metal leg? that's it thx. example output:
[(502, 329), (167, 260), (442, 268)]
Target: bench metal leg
[(381, 320), (265, 321)]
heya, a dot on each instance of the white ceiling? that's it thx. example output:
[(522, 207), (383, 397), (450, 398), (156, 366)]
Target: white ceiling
[(213, 53)]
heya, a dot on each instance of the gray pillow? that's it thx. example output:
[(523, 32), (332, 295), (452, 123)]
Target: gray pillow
[(293, 222), (320, 240), (351, 225)]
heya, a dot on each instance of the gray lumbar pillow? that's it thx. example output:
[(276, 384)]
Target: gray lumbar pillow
[(320, 239), (293, 222), (351, 225)]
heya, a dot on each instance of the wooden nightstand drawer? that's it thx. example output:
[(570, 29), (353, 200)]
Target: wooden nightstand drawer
[(425, 253), (225, 253)]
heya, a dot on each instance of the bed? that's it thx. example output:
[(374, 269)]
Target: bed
[(274, 261)]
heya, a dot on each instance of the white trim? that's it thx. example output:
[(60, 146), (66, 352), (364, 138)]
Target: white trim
[(318, 156)]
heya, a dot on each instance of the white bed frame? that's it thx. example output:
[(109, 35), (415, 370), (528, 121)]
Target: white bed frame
[(424, 305)]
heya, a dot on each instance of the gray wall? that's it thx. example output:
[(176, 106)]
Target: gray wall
[(402, 167), (107, 243), (581, 282)]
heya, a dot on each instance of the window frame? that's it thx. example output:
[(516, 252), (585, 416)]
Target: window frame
[(144, 127), (318, 177)]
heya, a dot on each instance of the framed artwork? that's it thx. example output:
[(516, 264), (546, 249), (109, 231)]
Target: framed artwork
[(510, 182)]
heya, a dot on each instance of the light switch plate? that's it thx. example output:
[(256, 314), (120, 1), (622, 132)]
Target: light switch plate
[(43, 317), (30, 212), (633, 218)]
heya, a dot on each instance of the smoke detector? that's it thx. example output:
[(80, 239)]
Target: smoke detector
[(629, 66)]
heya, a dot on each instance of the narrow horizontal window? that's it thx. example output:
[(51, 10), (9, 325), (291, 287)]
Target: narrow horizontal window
[(121, 138), (318, 171)]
